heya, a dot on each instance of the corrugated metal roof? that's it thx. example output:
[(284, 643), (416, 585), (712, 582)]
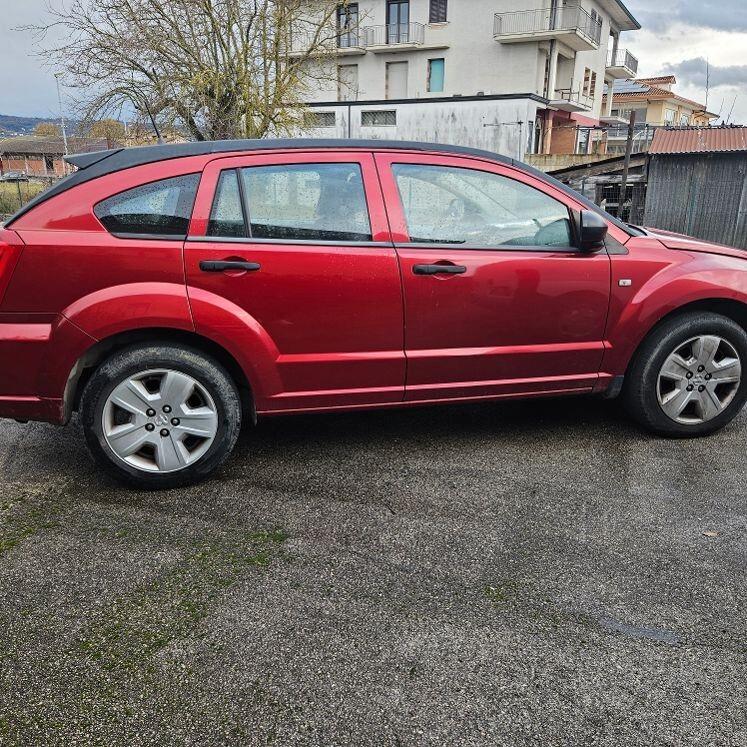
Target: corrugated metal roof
[(724, 139)]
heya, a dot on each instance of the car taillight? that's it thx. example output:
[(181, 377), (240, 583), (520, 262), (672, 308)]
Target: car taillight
[(10, 250)]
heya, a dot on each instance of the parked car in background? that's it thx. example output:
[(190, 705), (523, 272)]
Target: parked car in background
[(170, 293), (14, 176)]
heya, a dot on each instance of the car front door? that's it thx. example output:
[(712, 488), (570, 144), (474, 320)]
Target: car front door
[(297, 248), (498, 300)]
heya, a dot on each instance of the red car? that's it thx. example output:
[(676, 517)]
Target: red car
[(170, 293)]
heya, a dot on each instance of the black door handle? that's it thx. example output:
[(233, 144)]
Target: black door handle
[(209, 265), (439, 269)]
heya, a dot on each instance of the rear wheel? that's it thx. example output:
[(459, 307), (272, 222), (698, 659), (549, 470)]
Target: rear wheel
[(688, 377), (160, 416)]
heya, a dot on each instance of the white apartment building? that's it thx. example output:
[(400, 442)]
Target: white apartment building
[(508, 76)]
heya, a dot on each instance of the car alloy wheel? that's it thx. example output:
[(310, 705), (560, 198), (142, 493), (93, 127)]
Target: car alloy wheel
[(699, 379)]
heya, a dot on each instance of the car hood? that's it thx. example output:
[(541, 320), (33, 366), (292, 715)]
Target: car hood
[(673, 240)]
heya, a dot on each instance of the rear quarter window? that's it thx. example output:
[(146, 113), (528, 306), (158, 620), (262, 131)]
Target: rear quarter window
[(161, 208)]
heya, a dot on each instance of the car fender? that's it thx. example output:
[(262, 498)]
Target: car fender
[(235, 330), (672, 287)]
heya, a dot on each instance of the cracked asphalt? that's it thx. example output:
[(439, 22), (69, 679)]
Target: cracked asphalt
[(537, 573)]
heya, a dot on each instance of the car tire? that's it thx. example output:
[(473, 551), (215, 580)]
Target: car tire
[(653, 393), (177, 407)]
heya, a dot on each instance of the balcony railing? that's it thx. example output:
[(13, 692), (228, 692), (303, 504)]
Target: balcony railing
[(573, 97), (350, 39), (571, 18), (393, 33), (622, 58)]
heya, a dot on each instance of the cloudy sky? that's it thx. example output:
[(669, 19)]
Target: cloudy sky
[(677, 37)]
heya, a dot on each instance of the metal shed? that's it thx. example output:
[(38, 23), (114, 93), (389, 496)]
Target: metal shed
[(697, 183)]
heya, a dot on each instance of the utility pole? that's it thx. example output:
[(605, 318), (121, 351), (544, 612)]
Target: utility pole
[(62, 116), (626, 165)]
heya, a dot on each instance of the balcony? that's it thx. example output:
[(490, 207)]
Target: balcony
[(571, 25), (621, 65), (346, 44), (571, 100), (394, 37)]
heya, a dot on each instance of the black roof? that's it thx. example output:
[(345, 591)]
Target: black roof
[(93, 165)]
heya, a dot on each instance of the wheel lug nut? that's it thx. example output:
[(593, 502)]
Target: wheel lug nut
[(150, 427), (689, 374), (150, 412), (690, 387), (167, 409), (701, 368), (175, 421), (701, 388), (164, 432), (708, 377)]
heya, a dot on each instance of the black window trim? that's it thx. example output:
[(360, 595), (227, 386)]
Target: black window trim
[(151, 236)]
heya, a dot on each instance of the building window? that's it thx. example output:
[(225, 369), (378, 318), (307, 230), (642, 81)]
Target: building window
[(318, 120), (347, 25), (438, 11), (436, 75), (347, 82), (379, 118), (669, 116), (684, 120)]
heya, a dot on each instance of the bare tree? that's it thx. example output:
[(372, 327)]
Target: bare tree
[(219, 68)]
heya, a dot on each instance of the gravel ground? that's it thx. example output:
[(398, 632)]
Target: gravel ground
[(515, 574)]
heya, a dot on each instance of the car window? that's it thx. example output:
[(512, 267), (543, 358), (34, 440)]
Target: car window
[(160, 208), (227, 214), (322, 201), (447, 205)]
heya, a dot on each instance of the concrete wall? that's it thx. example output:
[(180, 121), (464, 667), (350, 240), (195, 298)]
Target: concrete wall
[(489, 124)]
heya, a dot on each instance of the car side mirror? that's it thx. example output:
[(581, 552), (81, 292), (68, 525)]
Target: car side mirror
[(593, 230)]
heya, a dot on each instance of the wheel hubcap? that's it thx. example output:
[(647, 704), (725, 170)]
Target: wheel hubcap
[(699, 380), (160, 420)]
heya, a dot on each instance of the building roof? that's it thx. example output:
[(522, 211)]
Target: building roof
[(621, 15), (723, 139), (51, 146), (645, 89), (658, 80)]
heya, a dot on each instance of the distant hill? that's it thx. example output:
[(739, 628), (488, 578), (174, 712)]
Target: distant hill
[(12, 125)]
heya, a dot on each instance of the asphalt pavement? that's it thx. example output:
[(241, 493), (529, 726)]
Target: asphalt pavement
[(535, 573)]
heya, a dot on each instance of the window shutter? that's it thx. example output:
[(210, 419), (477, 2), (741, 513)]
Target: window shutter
[(438, 11)]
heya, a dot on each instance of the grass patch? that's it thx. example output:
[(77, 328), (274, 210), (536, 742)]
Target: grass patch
[(133, 630), (10, 201)]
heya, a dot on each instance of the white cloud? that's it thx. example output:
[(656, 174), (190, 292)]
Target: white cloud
[(678, 50)]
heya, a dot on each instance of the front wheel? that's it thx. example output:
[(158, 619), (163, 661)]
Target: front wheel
[(687, 378), (160, 416)]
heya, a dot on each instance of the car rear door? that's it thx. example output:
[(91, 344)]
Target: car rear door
[(299, 242), (498, 300)]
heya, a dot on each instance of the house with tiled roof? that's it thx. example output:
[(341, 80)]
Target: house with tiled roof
[(655, 105)]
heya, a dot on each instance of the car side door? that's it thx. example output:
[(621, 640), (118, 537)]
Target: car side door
[(499, 300), (296, 248)]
